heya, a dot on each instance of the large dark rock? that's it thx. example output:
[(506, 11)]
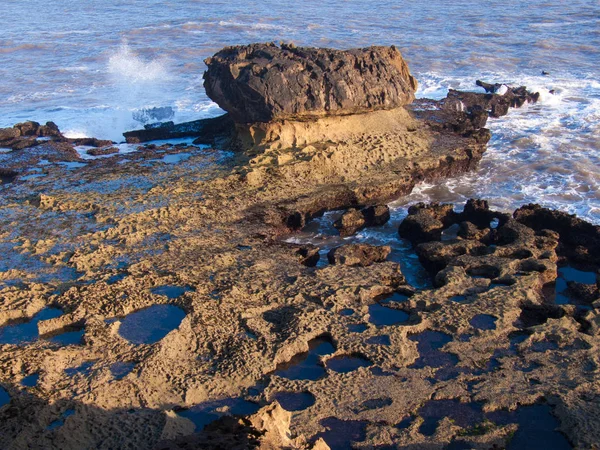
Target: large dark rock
[(264, 82)]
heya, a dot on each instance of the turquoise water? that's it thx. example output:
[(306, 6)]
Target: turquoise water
[(94, 68)]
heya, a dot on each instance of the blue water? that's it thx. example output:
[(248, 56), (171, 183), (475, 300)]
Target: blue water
[(25, 332), (94, 67), (151, 324)]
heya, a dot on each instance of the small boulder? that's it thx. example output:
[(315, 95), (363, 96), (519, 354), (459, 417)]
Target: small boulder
[(29, 128), (358, 254), (376, 215), (425, 222), (351, 221), (355, 220), (102, 151), (50, 130)]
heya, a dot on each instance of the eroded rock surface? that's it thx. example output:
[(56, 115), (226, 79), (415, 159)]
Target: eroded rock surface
[(266, 82)]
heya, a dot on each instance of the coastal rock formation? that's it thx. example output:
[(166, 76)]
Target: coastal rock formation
[(159, 305), (266, 82)]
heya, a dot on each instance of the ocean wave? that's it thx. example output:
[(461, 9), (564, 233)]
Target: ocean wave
[(253, 26)]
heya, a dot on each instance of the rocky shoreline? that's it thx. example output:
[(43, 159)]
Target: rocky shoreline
[(259, 343)]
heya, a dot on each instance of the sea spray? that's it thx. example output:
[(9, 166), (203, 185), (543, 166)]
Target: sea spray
[(138, 83)]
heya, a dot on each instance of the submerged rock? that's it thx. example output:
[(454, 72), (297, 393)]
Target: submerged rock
[(265, 82)]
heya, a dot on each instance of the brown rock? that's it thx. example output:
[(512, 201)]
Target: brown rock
[(102, 151), (350, 222), (92, 142), (354, 220), (264, 82), (8, 134), (20, 144), (426, 222), (358, 254), (376, 215), (580, 240), (50, 130), (29, 128)]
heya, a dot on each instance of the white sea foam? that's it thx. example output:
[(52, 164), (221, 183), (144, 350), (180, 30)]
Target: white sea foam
[(544, 153), (253, 26), (126, 65)]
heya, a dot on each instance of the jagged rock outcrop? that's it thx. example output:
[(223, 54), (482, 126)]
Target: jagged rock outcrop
[(496, 102), (266, 82)]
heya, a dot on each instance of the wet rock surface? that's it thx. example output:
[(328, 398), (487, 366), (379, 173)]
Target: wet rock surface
[(266, 82)]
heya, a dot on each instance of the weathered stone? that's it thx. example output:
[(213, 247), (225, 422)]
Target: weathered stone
[(587, 293), (358, 254), (264, 82), (350, 222), (8, 134), (426, 222), (20, 144), (376, 215), (91, 142), (50, 130), (102, 151), (355, 220), (478, 212)]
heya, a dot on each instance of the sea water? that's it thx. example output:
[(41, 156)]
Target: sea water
[(99, 68)]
